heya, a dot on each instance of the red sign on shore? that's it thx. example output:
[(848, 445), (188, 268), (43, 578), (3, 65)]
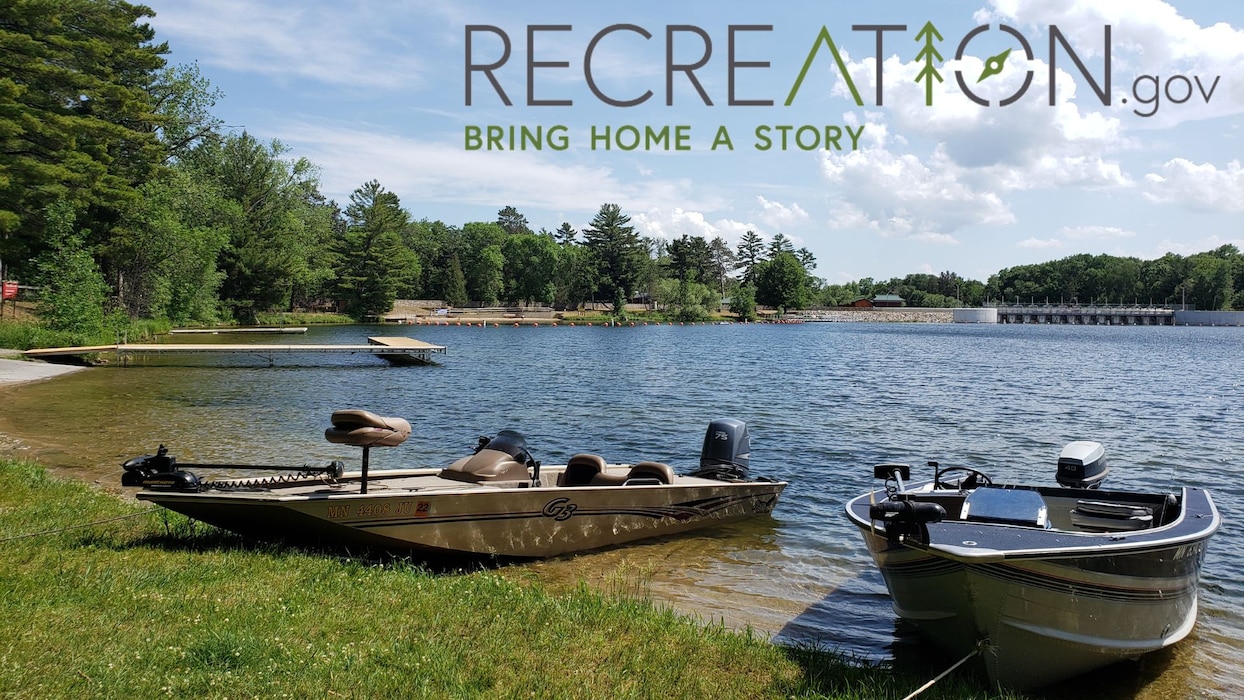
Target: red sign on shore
[(9, 290)]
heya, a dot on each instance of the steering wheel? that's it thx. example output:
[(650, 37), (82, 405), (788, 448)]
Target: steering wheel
[(971, 475)]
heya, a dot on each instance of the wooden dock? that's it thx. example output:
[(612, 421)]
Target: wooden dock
[(223, 331), (396, 350)]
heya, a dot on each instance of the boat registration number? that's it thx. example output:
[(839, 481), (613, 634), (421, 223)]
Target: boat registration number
[(419, 509)]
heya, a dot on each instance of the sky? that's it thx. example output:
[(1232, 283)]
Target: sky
[(715, 118)]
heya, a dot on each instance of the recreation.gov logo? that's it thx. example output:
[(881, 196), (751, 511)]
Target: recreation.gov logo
[(488, 48)]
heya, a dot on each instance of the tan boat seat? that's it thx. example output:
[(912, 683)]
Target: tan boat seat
[(647, 471), (581, 469), (589, 470), (366, 429)]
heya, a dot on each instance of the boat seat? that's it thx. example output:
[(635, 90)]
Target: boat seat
[(589, 470), (1009, 506), (581, 469), (647, 472), (366, 429), (1105, 516)]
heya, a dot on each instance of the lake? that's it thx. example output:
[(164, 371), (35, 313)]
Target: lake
[(824, 402)]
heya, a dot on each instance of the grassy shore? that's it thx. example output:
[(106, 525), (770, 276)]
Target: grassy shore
[(144, 604)]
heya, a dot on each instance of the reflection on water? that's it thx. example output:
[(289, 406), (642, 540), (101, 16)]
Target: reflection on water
[(823, 401)]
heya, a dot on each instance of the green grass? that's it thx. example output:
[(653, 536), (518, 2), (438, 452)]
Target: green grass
[(152, 605), (296, 318), (27, 334)]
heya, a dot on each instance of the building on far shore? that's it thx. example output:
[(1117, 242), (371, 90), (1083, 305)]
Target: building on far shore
[(888, 301)]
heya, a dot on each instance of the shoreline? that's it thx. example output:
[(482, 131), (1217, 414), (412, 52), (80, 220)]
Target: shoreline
[(13, 371)]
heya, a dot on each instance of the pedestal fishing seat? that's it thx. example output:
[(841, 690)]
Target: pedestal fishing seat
[(366, 430)]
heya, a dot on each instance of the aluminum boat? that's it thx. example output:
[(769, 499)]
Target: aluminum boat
[(497, 502), (1045, 583)]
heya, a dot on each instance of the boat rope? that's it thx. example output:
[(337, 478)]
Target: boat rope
[(72, 527), (943, 674)]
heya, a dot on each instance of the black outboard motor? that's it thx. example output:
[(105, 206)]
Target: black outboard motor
[(727, 451), (1082, 465)]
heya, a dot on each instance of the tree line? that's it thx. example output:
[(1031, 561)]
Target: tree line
[(122, 194)]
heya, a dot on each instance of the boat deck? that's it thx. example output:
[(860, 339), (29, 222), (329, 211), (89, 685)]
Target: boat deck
[(403, 482)]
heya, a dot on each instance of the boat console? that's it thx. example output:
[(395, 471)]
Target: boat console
[(501, 458)]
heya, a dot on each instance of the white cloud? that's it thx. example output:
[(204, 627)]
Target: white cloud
[(1199, 186), (1190, 248), (1040, 244), (981, 153), (435, 171), (1095, 232), (779, 216), (899, 195), (354, 48), (674, 222), (1147, 37)]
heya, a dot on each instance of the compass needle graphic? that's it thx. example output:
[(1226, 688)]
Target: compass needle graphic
[(993, 65)]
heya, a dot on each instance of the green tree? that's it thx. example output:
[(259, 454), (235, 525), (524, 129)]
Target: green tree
[(183, 99), (782, 282), (743, 303), (374, 262), (530, 267), (691, 258), (436, 244), (575, 280), (780, 244), (750, 253), (685, 300), (453, 285), (281, 226), (163, 253), (806, 258), (73, 289), (722, 262), (482, 261), (1210, 285), (565, 234), (76, 120), (619, 253), (512, 222)]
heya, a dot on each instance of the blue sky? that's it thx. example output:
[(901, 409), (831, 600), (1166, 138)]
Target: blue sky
[(371, 89)]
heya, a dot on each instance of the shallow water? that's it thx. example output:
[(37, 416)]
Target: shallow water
[(824, 402)]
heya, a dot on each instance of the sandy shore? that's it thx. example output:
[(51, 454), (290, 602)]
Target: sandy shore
[(18, 371)]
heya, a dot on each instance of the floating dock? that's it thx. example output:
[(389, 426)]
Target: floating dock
[(222, 331), (396, 350)]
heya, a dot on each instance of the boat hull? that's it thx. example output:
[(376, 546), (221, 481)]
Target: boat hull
[(1051, 605), (429, 516)]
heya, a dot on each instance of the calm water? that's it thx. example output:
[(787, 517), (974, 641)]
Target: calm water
[(824, 402)]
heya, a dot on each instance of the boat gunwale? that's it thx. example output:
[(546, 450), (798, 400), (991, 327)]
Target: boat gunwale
[(1095, 544), (272, 493)]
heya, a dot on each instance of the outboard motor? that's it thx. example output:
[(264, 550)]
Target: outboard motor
[(1082, 465), (726, 452)]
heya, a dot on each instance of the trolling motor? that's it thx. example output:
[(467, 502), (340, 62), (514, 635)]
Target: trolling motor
[(160, 472), (903, 518)]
